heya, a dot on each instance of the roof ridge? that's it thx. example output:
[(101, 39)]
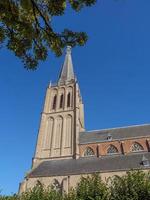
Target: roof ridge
[(121, 127)]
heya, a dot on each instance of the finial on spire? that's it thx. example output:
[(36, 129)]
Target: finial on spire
[(68, 49), (50, 83)]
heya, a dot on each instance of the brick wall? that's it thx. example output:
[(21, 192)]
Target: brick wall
[(123, 146)]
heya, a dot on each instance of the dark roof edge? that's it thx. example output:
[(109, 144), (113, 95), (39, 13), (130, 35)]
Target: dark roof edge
[(122, 127), (113, 140), (92, 172)]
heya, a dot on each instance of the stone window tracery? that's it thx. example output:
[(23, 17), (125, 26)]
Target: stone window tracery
[(56, 185), (89, 152), (136, 147), (112, 150), (38, 183)]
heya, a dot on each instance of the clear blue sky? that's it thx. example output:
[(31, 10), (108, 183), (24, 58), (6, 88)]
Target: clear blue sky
[(113, 71)]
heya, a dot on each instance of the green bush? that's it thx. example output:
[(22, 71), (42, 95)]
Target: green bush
[(134, 185), (92, 188)]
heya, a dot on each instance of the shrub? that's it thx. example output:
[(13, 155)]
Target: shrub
[(135, 185)]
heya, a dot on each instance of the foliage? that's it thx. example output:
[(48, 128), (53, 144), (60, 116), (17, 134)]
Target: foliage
[(41, 193), (134, 185), (26, 28), (14, 197), (89, 188), (92, 188)]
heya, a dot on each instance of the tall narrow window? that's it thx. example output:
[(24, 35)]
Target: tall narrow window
[(54, 102), (68, 100), (61, 101)]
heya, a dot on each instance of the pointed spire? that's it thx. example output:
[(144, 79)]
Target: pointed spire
[(67, 73)]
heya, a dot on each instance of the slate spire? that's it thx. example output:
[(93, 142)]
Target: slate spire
[(67, 73)]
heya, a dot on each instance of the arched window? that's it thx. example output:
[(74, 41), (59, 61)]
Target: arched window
[(89, 152), (54, 102), (56, 185), (136, 147), (61, 101), (38, 183), (112, 150), (68, 100)]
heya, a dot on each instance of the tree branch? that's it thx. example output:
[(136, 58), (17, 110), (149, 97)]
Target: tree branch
[(41, 14)]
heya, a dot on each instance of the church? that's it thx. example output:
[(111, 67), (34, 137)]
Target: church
[(65, 151)]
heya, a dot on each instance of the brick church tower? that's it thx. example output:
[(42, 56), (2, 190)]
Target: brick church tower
[(62, 117)]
